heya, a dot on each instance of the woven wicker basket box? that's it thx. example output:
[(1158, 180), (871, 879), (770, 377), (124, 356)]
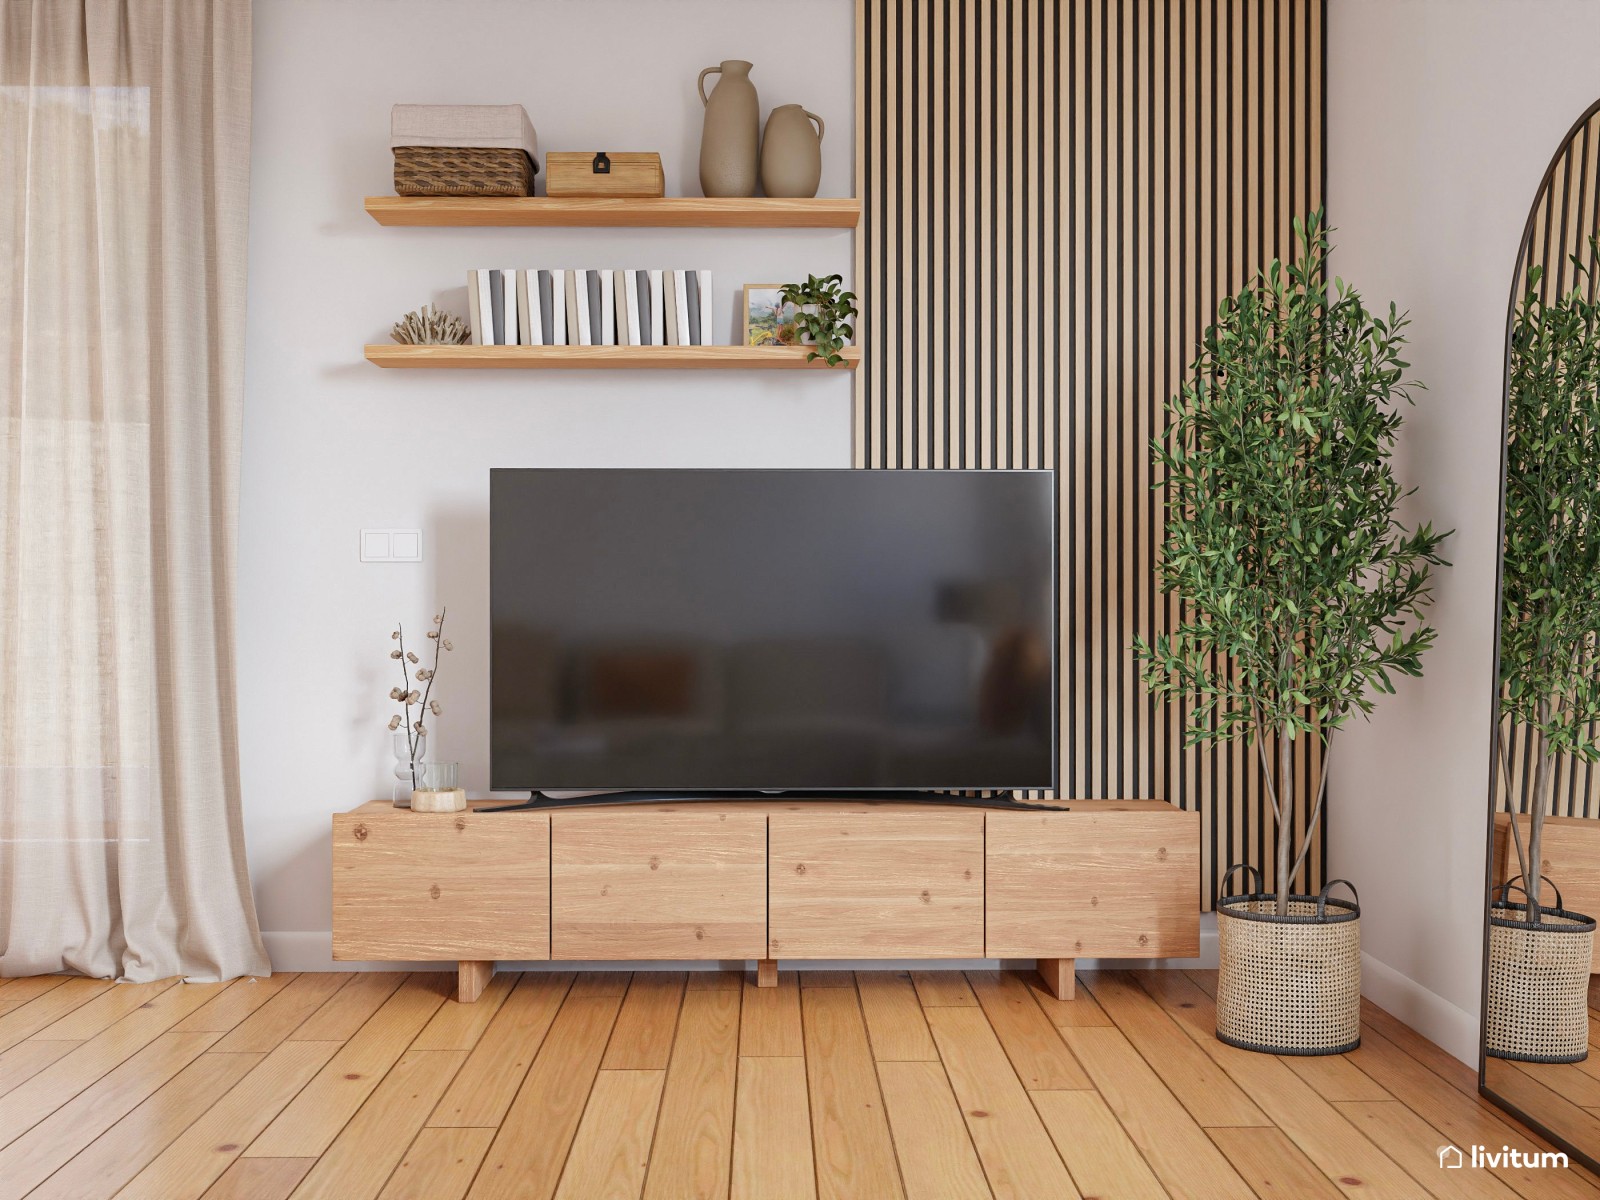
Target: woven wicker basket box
[(463, 150)]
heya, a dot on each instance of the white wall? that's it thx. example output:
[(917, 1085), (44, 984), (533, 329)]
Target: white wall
[(333, 444), (1442, 115)]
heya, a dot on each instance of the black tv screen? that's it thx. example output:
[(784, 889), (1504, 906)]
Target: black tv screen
[(763, 630)]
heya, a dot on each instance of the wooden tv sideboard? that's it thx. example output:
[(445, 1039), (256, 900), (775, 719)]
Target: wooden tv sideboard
[(767, 880)]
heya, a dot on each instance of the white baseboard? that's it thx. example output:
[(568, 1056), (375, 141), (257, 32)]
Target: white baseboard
[(312, 950), (1430, 1014)]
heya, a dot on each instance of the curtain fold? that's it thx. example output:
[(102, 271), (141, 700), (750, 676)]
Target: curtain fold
[(124, 141)]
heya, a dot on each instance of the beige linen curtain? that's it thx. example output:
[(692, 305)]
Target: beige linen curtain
[(124, 180)]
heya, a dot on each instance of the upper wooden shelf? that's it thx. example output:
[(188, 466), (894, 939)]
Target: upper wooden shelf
[(683, 212)]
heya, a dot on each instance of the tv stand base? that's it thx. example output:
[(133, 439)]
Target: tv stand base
[(472, 976), (1059, 981)]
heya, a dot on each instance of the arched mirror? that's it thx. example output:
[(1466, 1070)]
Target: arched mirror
[(1541, 1024)]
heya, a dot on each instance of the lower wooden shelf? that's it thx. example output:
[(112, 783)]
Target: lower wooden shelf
[(763, 880), (606, 358)]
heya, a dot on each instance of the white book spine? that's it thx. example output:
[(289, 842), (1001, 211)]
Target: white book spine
[(705, 309), (535, 309), (680, 296), (558, 303), (485, 308), (658, 313), (630, 297), (608, 309), (508, 297)]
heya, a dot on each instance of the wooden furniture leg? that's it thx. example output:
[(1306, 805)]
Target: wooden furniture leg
[(472, 976), (1058, 978), (767, 972)]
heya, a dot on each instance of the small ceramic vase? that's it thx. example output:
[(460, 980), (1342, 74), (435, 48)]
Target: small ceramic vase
[(791, 152), (730, 138)]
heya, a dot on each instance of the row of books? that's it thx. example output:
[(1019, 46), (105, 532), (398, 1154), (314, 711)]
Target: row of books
[(590, 308)]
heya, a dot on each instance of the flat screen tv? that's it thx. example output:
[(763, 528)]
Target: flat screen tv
[(737, 631)]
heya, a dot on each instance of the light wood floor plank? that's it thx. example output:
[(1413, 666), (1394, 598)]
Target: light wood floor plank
[(1556, 1113), (223, 1012), (716, 981), (259, 1179), (110, 1006), (37, 1154), (600, 983), (1463, 1120), (1339, 1150), (25, 1106), (1017, 1153), (440, 1165), (943, 989), (937, 1158), (308, 1125), (1336, 1079), (26, 1059), (116, 1156), (21, 989), (612, 1146), (1099, 1154), (458, 1026), (359, 1161), (895, 1024), (772, 1131), (1038, 1055), (641, 1040), (488, 1082), (769, 1018), (208, 1146), (1272, 1164), (854, 1153), (1414, 1144), (525, 1160), (39, 1013), (1082, 1010), (1188, 1164), (1568, 1080), (693, 1145), (274, 1021), (351, 1007), (1199, 1084)]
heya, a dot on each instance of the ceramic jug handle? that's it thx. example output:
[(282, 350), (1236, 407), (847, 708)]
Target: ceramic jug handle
[(821, 128), (700, 84)]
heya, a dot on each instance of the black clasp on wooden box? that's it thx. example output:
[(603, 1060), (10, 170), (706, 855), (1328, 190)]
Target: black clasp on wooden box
[(602, 164)]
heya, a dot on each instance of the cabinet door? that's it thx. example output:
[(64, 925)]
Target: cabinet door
[(1107, 884), (467, 885), (876, 885), (659, 885)]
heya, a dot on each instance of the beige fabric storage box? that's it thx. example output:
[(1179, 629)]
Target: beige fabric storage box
[(463, 150)]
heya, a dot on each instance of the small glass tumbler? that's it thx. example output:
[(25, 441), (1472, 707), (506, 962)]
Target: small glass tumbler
[(439, 776)]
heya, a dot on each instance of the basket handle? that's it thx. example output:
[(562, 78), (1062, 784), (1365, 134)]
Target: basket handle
[(1505, 890), (1222, 884), (1322, 896)]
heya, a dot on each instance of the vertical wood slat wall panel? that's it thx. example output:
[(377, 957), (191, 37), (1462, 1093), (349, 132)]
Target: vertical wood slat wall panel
[(1568, 214), (1056, 193)]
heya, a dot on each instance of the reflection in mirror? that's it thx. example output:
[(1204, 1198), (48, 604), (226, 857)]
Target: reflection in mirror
[(1545, 783)]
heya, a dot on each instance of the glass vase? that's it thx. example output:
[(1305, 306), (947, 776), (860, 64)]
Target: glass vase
[(409, 751)]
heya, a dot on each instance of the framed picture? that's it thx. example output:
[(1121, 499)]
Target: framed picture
[(768, 321)]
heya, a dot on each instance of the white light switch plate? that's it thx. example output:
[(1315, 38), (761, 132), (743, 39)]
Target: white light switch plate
[(391, 545)]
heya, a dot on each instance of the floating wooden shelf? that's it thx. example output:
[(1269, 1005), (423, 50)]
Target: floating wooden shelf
[(686, 212), (654, 358)]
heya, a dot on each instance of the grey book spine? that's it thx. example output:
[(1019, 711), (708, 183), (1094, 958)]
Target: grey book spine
[(547, 310), (592, 278), (643, 281), (497, 302), (692, 279)]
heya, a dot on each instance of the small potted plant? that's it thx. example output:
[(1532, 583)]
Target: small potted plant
[(1539, 953), (822, 313), (1301, 594)]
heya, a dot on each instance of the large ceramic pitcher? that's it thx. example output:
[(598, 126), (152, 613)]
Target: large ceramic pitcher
[(730, 139), (791, 152)]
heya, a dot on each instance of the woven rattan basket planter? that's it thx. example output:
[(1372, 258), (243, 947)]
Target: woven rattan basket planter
[(1538, 1008), (1290, 984), (462, 171)]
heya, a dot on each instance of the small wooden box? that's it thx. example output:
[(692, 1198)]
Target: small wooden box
[(581, 173)]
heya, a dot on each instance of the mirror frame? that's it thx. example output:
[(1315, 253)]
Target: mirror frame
[(1518, 277)]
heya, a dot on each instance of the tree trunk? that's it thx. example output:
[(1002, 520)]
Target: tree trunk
[(1543, 779), (1285, 817)]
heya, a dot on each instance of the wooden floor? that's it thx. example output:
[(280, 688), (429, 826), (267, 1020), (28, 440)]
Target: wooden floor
[(855, 1086)]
